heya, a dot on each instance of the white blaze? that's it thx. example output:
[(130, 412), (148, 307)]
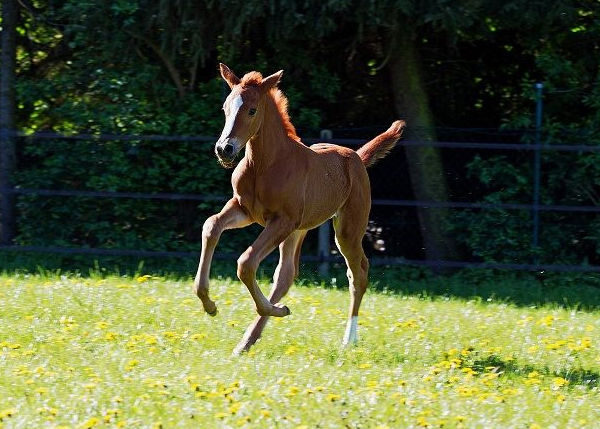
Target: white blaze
[(234, 107)]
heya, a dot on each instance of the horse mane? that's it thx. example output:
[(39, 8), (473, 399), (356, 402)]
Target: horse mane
[(281, 102)]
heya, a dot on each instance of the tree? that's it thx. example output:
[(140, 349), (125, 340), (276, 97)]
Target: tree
[(424, 163), (147, 67), (7, 118)]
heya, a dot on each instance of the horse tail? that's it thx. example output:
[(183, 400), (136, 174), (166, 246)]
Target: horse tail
[(382, 144)]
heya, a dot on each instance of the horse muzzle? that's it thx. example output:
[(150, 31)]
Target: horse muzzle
[(227, 151)]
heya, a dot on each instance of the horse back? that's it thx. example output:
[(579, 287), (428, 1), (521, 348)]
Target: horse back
[(334, 173)]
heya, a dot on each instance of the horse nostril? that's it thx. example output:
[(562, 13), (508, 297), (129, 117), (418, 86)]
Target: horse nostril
[(228, 149)]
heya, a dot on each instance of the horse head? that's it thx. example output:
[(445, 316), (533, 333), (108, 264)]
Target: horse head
[(244, 111)]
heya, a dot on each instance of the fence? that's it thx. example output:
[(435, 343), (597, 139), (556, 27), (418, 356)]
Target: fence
[(395, 220)]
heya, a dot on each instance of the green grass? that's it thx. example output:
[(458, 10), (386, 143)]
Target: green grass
[(109, 352)]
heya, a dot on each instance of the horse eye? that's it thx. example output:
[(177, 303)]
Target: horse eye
[(252, 112)]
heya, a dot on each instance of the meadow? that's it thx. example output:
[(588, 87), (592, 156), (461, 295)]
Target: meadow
[(96, 351)]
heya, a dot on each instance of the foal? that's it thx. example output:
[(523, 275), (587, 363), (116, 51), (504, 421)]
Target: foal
[(288, 188)]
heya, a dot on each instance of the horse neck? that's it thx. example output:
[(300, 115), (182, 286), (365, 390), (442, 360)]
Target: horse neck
[(271, 141)]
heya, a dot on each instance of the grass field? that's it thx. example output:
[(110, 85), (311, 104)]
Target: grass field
[(123, 352)]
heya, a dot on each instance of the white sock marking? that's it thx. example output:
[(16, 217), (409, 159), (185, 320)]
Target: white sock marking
[(350, 336)]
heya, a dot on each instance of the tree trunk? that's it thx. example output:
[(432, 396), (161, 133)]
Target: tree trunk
[(7, 118), (424, 163)]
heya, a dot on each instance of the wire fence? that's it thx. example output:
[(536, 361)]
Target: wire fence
[(474, 207)]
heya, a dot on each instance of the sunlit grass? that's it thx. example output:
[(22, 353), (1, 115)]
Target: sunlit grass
[(140, 353)]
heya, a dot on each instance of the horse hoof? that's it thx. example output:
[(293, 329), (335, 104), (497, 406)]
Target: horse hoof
[(212, 313), (287, 311)]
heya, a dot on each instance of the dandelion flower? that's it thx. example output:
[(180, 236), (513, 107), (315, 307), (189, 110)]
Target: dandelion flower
[(9, 412), (101, 325), (291, 350), (559, 382), (90, 423), (110, 336)]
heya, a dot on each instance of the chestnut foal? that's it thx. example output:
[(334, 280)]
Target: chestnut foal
[(288, 188)]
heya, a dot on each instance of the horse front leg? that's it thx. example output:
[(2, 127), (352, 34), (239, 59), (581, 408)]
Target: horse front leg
[(285, 273), (231, 216)]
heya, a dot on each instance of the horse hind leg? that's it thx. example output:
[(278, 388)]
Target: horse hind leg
[(285, 273), (349, 232)]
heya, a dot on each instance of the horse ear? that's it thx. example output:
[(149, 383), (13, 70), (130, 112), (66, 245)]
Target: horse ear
[(229, 76), (271, 81)]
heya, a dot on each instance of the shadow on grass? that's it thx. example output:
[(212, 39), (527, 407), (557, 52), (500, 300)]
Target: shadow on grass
[(573, 290), (521, 288), (578, 376)]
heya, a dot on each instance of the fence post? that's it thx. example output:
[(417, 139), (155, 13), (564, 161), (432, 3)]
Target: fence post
[(7, 117), (537, 170), (324, 246)]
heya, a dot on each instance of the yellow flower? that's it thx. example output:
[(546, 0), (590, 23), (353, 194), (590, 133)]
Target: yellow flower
[(90, 423), (132, 364), (511, 391), (465, 352), (144, 278), (560, 382), (243, 421), (556, 345), (101, 325), (9, 412), (452, 352), (291, 350), (422, 422), (546, 321), (333, 397), (150, 339), (235, 407), (466, 391), (365, 365)]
